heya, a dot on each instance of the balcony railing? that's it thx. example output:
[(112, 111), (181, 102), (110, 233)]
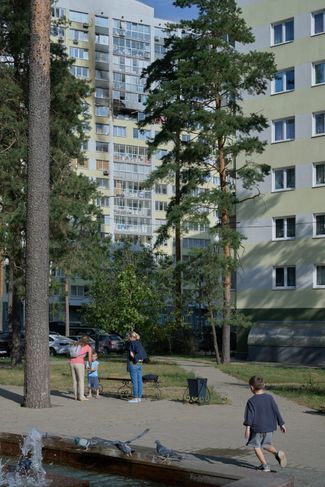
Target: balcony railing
[(129, 228)]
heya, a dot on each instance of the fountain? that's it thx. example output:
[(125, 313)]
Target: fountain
[(29, 471)]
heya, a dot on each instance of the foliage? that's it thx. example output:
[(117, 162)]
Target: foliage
[(123, 295), (198, 87)]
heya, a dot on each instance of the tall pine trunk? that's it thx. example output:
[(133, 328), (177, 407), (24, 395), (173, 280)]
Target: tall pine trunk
[(37, 394), (178, 242), (214, 333), (226, 253)]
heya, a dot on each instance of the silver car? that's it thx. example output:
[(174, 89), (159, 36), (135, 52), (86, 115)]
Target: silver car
[(59, 344)]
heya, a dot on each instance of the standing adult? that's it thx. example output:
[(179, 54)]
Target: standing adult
[(77, 366), (136, 356)]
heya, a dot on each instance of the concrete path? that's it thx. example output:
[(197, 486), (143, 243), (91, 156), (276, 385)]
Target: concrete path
[(211, 430)]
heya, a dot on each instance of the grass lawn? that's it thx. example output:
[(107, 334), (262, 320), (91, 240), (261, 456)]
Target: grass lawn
[(304, 385), (173, 379)]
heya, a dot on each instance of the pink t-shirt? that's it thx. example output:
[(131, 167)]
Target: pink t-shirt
[(81, 358)]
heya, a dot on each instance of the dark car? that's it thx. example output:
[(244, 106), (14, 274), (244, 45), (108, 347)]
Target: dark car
[(111, 342), (6, 343)]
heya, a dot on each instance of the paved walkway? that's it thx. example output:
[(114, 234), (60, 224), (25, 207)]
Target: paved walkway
[(211, 429)]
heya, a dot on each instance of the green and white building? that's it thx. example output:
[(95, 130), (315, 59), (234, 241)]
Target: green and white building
[(282, 272)]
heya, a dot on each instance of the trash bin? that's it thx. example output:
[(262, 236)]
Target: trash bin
[(198, 390)]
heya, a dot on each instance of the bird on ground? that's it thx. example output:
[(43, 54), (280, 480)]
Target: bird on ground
[(167, 453), (123, 446)]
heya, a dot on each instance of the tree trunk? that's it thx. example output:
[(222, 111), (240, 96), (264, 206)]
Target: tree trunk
[(37, 394), (227, 254), (214, 334), (1, 292), (178, 250), (66, 306)]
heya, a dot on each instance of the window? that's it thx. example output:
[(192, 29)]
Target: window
[(57, 31), (102, 146), (101, 21), (78, 53), (101, 165), (318, 22), (319, 123), (101, 93), (103, 201), (186, 137), (84, 145), (119, 131), (282, 32), (101, 39), (80, 72), (319, 276), (319, 174), (195, 243), (101, 111), (161, 205), (79, 291), (319, 225), (161, 188), (102, 182), (284, 228), (78, 35), (57, 12), (284, 81), (101, 57), (78, 17), (102, 128), (283, 130), (284, 179), (141, 134), (101, 74), (318, 73), (284, 277)]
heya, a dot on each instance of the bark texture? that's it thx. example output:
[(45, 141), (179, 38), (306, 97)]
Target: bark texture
[(37, 394)]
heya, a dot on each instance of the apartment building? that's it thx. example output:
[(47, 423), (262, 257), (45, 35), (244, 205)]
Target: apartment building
[(282, 271)]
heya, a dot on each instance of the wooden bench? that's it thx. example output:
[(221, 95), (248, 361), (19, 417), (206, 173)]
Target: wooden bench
[(125, 389)]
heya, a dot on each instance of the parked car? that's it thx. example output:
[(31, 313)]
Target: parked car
[(59, 344), (6, 343), (104, 342), (111, 343), (76, 338)]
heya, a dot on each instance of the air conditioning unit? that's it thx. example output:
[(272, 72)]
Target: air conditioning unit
[(122, 33), (105, 173), (75, 41), (61, 40), (85, 26), (157, 39), (147, 55)]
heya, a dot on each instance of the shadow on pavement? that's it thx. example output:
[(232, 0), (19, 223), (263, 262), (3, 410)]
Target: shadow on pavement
[(11, 396)]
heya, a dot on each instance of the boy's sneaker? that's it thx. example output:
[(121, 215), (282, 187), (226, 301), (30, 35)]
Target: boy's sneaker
[(264, 467), (281, 458)]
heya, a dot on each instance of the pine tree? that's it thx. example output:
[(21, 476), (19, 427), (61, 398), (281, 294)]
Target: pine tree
[(215, 78), (74, 218)]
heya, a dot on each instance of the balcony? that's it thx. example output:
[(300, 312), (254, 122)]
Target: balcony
[(132, 193), (132, 229), (129, 211)]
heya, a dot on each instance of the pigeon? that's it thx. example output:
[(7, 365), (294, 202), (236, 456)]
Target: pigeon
[(167, 453), (123, 446)]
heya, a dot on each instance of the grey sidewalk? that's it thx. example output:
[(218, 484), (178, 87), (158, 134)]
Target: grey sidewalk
[(211, 429)]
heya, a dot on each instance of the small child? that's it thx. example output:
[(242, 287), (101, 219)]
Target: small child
[(262, 416), (93, 383)]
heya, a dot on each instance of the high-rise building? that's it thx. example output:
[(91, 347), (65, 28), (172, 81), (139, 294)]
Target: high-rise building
[(112, 42), (282, 271)]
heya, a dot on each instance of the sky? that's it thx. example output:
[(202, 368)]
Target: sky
[(165, 9)]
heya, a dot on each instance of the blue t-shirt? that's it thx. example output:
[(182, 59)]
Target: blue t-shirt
[(94, 373), (262, 414)]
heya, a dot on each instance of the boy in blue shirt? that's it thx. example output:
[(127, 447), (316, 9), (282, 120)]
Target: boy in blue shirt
[(262, 416), (93, 383)]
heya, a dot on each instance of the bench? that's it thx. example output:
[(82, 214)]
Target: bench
[(125, 389)]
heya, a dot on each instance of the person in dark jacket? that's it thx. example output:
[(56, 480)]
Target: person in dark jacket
[(136, 356), (262, 417)]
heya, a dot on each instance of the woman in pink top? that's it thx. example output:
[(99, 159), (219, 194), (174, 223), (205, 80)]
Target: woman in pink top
[(77, 366)]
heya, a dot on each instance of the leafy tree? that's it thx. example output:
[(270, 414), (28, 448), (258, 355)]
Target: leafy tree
[(217, 77), (122, 295)]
